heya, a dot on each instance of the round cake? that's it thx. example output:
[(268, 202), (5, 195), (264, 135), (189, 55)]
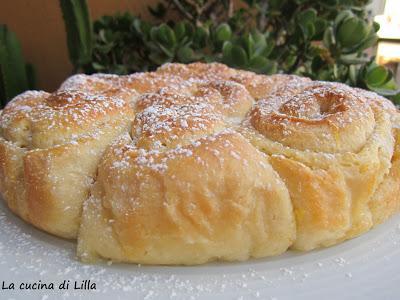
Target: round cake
[(200, 162)]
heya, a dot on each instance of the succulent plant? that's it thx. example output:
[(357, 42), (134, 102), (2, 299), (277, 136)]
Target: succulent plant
[(304, 37), (15, 75), (79, 31), (353, 34), (250, 51)]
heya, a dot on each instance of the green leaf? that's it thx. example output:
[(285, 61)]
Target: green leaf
[(329, 38), (353, 74), (248, 44), (396, 98), (376, 76), (78, 27), (353, 59), (159, 59), (258, 62), (290, 61), (385, 92), (164, 35), (306, 21), (167, 52), (307, 16), (370, 41), (200, 38), (351, 32), (239, 56), (180, 30), (12, 66), (227, 52), (98, 67), (185, 54), (259, 41), (223, 32), (234, 55), (320, 25), (342, 16), (376, 26), (262, 65)]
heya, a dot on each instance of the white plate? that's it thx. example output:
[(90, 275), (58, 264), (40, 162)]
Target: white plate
[(367, 267)]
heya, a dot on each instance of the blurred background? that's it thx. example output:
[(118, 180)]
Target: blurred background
[(387, 14), (305, 37), (40, 28)]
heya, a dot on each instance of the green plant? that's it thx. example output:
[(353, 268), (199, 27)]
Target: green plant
[(79, 32), (304, 37), (15, 75)]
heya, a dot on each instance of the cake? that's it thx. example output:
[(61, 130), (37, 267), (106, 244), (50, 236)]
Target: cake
[(200, 162)]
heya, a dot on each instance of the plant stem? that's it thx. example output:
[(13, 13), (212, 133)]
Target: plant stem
[(182, 10)]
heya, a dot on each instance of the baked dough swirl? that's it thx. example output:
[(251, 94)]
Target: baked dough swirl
[(332, 146), (200, 162)]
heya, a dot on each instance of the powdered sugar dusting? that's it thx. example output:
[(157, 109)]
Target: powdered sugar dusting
[(178, 115), (52, 260)]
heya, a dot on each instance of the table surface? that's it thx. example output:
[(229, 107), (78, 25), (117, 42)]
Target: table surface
[(363, 268)]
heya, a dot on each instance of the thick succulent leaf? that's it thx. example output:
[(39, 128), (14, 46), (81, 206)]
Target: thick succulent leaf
[(227, 51), (370, 41), (307, 16), (258, 62), (376, 26), (396, 98), (98, 67), (262, 65), (353, 74), (12, 66), (168, 52), (223, 33), (247, 42), (239, 56), (159, 59), (376, 76), (329, 38), (78, 27), (320, 25), (185, 54), (351, 32), (182, 30), (200, 37), (384, 92), (353, 59), (164, 35), (342, 16), (260, 43)]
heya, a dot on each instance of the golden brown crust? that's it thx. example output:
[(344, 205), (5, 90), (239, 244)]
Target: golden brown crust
[(152, 205), (200, 162), (257, 85), (50, 146), (332, 146)]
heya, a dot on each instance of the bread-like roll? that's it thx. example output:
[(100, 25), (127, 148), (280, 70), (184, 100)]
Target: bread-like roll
[(49, 149), (258, 85), (333, 147), (200, 162), (216, 198), (183, 199), (50, 144)]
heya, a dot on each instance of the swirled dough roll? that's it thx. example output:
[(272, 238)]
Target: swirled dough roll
[(332, 146), (49, 149), (170, 196)]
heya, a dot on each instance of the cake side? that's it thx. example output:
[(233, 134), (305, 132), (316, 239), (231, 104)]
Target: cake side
[(200, 162)]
